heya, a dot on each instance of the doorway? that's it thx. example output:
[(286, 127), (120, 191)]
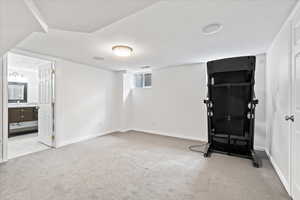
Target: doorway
[(29, 105)]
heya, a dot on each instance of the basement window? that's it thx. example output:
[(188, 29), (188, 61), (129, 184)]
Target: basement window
[(143, 80)]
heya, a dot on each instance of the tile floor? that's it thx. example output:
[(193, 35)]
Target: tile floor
[(23, 145)]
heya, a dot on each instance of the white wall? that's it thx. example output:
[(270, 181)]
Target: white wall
[(174, 105), (31, 78), (87, 102)]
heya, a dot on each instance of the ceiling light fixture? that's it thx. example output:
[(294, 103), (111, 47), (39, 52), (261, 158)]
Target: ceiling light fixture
[(212, 28), (122, 50)]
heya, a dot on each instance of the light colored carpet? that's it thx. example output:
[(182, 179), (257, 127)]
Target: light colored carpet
[(23, 145), (136, 166)]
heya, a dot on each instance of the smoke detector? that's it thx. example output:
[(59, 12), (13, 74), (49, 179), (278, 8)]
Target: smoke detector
[(212, 28)]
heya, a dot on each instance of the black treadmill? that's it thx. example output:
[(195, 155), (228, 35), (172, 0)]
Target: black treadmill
[(231, 107)]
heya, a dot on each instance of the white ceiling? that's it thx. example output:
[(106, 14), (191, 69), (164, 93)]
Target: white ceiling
[(17, 61), (166, 33), (87, 15), (16, 23)]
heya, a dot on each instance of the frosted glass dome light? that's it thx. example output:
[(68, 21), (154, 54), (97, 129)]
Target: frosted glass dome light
[(122, 51)]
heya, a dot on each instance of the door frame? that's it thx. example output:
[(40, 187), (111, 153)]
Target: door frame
[(4, 109), (1, 110), (5, 97)]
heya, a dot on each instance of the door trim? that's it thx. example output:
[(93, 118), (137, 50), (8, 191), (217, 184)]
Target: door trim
[(1, 109), (5, 109)]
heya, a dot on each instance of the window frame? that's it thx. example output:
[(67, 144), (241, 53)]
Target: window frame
[(143, 79)]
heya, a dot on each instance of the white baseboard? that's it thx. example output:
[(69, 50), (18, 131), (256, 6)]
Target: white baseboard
[(279, 173), (259, 148), (171, 135), (81, 139), (3, 161)]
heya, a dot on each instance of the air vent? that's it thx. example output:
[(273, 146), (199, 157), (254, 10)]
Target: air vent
[(145, 67), (98, 58)]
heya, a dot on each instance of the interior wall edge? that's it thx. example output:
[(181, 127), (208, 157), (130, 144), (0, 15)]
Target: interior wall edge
[(37, 15)]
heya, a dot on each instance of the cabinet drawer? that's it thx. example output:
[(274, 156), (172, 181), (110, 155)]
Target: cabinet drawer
[(22, 114), (27, 114), (14, 115)]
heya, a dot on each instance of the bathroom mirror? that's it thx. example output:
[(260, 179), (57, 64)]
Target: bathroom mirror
[(17, 92)]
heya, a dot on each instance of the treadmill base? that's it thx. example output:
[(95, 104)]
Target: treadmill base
[(256, 161)]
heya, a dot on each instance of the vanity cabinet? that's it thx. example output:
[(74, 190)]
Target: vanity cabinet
[(17, 115), (22, 120)]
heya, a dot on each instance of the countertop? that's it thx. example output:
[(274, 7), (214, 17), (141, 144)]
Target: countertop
[(21, 105)]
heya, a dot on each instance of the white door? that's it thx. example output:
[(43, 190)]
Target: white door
[(296, 134), (46, 104), (295, 139), (279, 103)]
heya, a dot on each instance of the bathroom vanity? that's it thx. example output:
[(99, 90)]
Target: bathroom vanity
[(22, 118)]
